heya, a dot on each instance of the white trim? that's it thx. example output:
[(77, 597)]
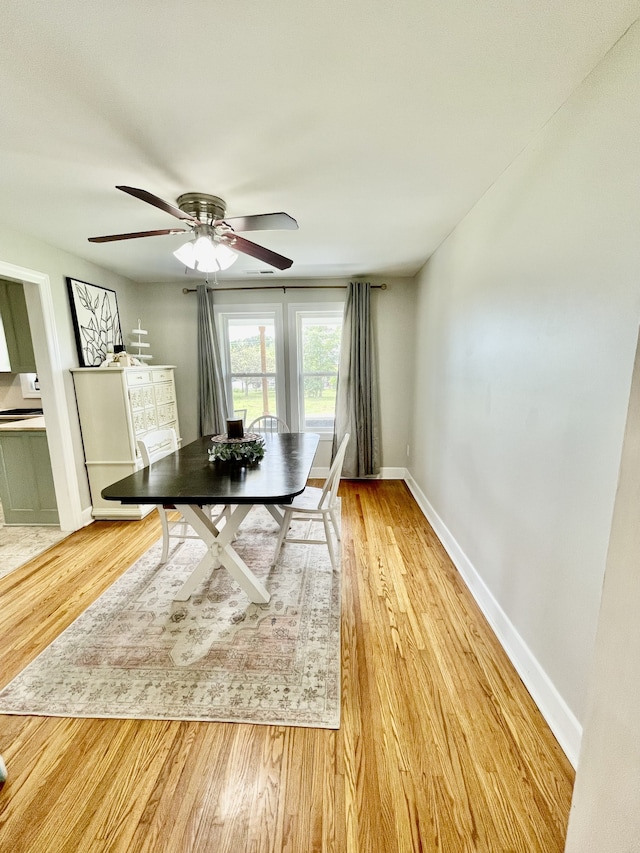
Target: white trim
[(41, 313), (553, 708), (385, 474), (393, 474), (127, 512)]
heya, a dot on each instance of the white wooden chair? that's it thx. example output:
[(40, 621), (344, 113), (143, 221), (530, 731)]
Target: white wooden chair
[(268, 423), (315, 504), (154, 446)]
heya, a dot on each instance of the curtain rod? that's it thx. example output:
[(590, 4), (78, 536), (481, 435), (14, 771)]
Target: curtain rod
[(283, 287)]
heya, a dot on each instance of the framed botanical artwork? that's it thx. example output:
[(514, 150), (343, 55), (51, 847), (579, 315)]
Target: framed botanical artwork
[(96, 321)]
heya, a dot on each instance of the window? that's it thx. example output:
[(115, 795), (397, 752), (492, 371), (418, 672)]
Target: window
[(316, 366), (251, 344), (289, 371)]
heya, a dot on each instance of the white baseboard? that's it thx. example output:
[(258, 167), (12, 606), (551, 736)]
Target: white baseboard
[(385, 473), (393, 473), (86, 518), (122, 512), (559, 717)]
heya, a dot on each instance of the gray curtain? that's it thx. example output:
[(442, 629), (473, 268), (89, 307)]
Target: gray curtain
[(212, 393), (357, 408)]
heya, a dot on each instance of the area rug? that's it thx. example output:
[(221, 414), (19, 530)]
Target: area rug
[(135, 653)]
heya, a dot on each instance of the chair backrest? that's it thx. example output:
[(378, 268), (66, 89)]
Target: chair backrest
[(268, 423), (156, 444), (330, 488)]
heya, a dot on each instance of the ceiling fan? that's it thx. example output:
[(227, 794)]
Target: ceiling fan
[(216, 240)]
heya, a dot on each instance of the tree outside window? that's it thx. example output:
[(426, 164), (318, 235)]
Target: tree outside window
[(318, 357)]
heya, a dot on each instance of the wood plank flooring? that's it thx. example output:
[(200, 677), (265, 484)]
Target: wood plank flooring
[(440, 748)]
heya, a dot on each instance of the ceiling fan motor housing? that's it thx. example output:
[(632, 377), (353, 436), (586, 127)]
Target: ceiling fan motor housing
[(206, 208)]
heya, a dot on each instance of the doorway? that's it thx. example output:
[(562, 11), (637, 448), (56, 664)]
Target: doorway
[(40, 310)]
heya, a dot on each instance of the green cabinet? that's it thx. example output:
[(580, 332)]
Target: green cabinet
[(26, 482), (15, 320)]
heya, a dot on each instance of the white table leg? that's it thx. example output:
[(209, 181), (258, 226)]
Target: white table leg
[(275, 512), (204, 568), (220, 552)]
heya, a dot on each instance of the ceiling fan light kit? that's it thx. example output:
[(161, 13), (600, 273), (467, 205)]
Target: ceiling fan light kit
[(204, 215), (205, 254)]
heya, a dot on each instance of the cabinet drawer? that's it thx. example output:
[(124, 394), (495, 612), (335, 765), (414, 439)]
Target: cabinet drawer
[(136, 398), (142, 397), (165, 393), (166, 414), (162, 375), (151, 419), (139, 422), (138, 377)]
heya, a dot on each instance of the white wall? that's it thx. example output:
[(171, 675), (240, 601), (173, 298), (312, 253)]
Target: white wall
[(26, 252), (528, 317), (11, 396), (605, 817), (170, 318)]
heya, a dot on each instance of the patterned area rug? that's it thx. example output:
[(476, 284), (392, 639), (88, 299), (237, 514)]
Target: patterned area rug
[(135, 653)]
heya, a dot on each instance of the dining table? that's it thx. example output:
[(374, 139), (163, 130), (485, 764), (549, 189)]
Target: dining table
[(188, 481)]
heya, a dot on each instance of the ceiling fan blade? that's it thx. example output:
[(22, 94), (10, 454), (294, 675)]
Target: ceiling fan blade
[(111, 237), (239, 244), (150, 198), (261, 222)]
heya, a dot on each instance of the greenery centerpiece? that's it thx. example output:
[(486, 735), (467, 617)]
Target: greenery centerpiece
[(246, 450)]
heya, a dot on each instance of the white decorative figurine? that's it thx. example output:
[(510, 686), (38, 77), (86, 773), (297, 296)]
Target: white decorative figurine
[(140, 344)]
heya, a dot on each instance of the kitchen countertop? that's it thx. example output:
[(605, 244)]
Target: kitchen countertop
[(26, 424)]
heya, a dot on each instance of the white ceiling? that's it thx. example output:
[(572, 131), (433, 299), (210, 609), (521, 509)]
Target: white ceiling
[(377, 125)]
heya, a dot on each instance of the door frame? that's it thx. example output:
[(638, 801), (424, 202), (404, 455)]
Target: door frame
[(39, 299)]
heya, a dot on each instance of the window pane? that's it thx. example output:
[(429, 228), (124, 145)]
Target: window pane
[(319, 402), (320, 344), (252, 358), (255, 394), (252, 345), (318, 359)]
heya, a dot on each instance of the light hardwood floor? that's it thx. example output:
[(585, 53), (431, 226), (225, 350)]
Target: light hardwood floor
[(440, 748)]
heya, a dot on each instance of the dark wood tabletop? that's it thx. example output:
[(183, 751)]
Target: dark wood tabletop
[(187, 476)]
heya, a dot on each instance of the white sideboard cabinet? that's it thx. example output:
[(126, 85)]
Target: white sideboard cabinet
[(116, 407)]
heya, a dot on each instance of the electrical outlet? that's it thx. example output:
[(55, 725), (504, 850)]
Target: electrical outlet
[(408, 451)]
